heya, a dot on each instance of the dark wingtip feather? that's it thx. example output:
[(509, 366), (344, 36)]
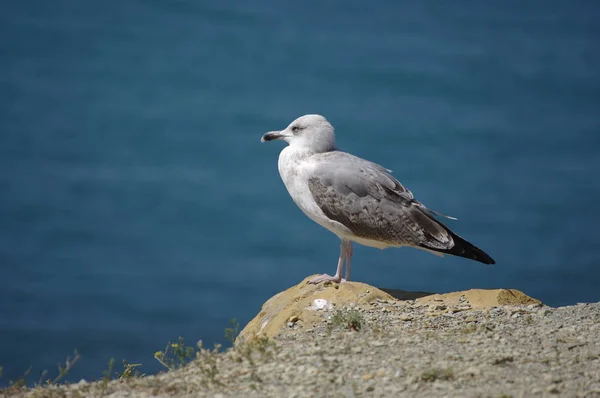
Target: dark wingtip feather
[(468, 250), (462, 248)]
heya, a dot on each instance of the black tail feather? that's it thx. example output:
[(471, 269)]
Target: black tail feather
[(462, 248)]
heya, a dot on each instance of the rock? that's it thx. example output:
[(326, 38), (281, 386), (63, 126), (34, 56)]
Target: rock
[(320, 304), (553, 389), (480, 298), (294, 318), (298, 301), (471, 372), (368, 376), (309, 302)]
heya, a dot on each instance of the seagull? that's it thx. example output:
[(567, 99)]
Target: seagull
[(358, 200)]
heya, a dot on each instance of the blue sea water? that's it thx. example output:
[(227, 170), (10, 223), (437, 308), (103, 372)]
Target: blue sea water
[(138, 205)]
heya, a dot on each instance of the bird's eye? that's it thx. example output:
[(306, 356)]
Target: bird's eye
[(295, 129)]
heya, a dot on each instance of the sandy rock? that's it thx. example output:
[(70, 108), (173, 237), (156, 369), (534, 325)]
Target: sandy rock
[(305, 303), (479, 298)]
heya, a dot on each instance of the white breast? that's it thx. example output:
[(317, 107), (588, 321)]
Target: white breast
[(295, 168)]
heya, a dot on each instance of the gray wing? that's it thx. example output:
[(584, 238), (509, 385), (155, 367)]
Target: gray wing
[(369, 201)]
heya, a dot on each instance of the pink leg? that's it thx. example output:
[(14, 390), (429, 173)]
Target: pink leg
[(349, 251), (337, 278)]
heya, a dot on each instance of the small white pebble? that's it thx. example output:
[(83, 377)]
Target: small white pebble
[(321, 304)]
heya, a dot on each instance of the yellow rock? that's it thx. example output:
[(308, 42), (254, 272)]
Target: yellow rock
[(297, 303), (480, 298), (294, 318), (368, 376)]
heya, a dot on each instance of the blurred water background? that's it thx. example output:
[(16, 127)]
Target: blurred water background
[(137, 203)]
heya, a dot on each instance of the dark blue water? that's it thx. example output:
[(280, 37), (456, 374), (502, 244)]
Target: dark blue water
[(137, 203)]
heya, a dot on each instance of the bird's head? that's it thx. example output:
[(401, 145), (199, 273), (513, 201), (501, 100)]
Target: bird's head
[(312, 132)]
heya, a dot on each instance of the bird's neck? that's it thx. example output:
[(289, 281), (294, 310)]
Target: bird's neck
[(295, 154), (290, 159), (289, 156)]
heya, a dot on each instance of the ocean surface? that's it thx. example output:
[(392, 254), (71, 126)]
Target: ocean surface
[(137, 203)]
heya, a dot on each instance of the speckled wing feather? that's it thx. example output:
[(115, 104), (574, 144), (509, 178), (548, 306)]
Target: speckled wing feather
[(369, 201)]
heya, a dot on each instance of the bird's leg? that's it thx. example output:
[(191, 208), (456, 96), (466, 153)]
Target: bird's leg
[(349, 250), (337, 278)]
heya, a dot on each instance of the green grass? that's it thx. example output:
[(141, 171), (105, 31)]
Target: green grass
[(469, 329), (434, 374), (174, 356), (503, 360), (351, 320), (177, 354), (232, 332)]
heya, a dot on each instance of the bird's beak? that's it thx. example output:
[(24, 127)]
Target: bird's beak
[(272, 135)]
